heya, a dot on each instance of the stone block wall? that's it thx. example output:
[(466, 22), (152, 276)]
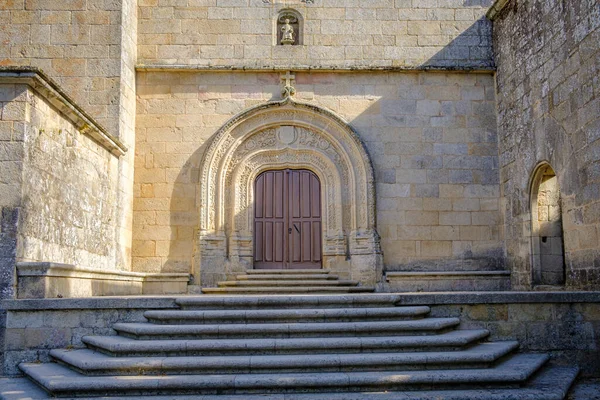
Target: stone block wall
[(567, 331), (31, 334), (549, 111), (431, 137), (76, 42), (336, 33), (89, 48), (69, 193)]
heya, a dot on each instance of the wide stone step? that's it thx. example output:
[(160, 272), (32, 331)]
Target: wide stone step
[(283, 330), (264, 277), (299, 315), (290, 290), (122, 346), (288, 282), (289, 301), (62, 381), (551, 383), (287, 271), (94, 363)]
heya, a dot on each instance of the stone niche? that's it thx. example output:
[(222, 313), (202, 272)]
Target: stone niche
[(289, 28), (279, 135)]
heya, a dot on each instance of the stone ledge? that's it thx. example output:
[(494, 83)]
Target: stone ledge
[(52, 92), (92, 303), (47, 279), (437, 298), (304, 68), (504, 297), (496, 8), (448, 274)]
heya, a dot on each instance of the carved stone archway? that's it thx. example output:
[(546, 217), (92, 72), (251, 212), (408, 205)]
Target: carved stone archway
[(286, 134)]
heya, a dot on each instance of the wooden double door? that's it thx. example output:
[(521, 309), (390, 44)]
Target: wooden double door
[(287, 220)]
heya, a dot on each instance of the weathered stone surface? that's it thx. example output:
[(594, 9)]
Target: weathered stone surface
[(548, 111)]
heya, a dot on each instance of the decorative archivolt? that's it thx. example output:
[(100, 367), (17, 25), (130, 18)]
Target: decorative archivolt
[(286, 134)]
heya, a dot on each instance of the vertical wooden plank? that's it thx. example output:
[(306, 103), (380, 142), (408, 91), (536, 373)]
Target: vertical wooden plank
[(316, 241), (306, 239), (315, 199), (295, 193), (259, 196), (305, 194), (269, 241), (269, 194), (278, 242), (278, 194), (296, 245), (258, 241)]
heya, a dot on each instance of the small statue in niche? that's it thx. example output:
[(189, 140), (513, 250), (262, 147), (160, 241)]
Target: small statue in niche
[(287, 30)]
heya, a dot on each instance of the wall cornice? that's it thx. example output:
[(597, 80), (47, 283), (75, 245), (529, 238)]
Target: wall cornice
[(303, 68), (57, 97)]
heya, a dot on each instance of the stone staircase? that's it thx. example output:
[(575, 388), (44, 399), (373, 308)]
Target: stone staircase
[(328, 347), (294, 281)]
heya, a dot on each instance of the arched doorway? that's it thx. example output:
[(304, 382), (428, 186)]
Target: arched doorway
[(287, 220), (548, 260), (277, 136)]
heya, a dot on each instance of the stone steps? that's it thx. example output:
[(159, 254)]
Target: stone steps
[(288, 282), (91, 362), (287, 271), (309, 347), (284, 315), (62, 381), (121, 346), (264, 277), (298, 301), (282, 290), (426, 326), (279, 281)]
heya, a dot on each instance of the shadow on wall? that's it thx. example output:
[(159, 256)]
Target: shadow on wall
[(471, 49)]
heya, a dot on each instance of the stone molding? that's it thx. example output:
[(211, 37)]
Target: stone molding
[(496, 9), (306, 68), (314, 139), (51, 92), (70, 270)]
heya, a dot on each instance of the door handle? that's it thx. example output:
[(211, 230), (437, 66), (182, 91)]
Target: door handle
[(297, 230), (290, 231)]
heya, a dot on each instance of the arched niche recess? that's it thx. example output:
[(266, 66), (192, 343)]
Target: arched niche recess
[(277, 135), (547, 245)]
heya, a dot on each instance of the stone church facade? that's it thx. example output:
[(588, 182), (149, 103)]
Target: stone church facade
[(452, 144), (398, 108)]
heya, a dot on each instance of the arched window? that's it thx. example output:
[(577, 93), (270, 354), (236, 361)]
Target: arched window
[(548, 257)]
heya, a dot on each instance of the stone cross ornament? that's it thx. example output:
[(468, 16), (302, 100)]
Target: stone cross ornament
[(288, 89)]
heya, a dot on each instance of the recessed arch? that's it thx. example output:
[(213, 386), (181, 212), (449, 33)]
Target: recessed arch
[(287, 134), (547, 243)]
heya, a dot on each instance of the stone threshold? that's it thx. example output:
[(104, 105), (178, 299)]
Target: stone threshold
[(55, 95), (434, 298)]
